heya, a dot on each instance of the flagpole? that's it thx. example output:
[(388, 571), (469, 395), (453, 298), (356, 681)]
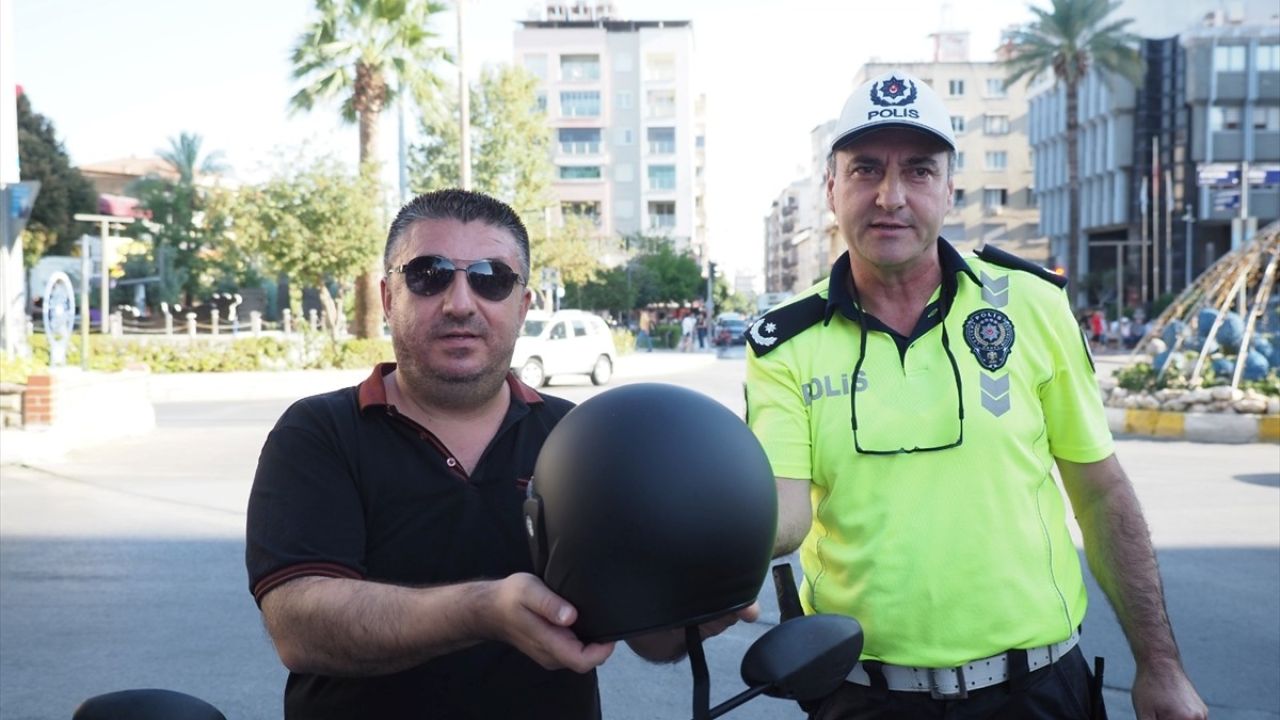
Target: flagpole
[(1142, 242), (1155, 216), (1168, 231)]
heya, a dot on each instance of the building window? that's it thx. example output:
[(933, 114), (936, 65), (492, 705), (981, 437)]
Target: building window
[(579, 141), (959, 161), (1266, 118), (957, 124), (995, 88), (660, 67), (661, 103), (624, 136), (540, 101), (536, 64), (958, 200), (662, 215), (624, 99), (579, 67), (1031, 197), (580, 103), (997, 160), (955, 88), (662, 140), (994, 198), (662, 177), (700, 142), (995, 124), (1268, 58), (1228, 58), (587, 210), (1224, 118), (579, 172)]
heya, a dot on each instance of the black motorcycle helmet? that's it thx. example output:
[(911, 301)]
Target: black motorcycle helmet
[(651, 507)]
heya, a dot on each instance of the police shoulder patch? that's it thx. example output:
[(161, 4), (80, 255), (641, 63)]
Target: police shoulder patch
[(783, 323), (996, 256)]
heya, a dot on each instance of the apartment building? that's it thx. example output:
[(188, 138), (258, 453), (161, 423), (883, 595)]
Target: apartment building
[(795, 249), (628, 125)]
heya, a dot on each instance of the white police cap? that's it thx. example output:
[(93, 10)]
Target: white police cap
[(893, 100)]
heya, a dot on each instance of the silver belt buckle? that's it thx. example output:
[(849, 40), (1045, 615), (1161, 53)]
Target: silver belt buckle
[(936, 692)]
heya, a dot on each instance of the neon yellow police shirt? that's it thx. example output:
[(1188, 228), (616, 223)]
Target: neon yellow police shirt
[(943, 556)]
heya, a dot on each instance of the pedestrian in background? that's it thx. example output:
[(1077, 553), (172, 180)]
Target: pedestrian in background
[(646, 328), (913, 406)]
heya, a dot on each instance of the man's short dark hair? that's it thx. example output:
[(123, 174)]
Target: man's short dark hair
[(464, 206)]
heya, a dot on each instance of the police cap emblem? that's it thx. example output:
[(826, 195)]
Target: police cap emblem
[(989, 334), (893, 92)]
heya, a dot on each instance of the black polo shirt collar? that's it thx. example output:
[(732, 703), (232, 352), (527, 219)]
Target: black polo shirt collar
[(840, 296), (372, 396)]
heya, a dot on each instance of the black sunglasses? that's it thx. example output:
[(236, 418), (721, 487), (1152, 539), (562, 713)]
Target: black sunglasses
[(853, 400), (429, 275)]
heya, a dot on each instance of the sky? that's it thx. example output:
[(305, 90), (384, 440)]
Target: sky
[(120, 78)]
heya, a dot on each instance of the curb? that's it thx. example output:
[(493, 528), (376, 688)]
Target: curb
[(1195, 427)]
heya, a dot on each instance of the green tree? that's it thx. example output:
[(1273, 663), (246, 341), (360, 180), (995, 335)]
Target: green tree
[(1068, 40), (63, 190), (313, 222), (663, 276), (366, 53), (510, 143), (183, 155), (184, 241), (611, 290)]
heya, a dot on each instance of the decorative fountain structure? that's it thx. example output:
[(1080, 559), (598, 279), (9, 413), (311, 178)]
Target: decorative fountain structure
[(1216, 347)]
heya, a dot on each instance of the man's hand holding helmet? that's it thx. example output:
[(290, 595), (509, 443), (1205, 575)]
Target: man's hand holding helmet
[(521, 611)]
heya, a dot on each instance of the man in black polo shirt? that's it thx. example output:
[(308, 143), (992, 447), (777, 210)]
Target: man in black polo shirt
[(386, 547)]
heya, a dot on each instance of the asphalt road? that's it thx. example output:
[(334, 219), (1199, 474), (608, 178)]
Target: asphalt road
[(123, 567)]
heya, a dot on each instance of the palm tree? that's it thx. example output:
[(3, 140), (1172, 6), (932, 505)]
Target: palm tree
[(365, 53), (183, 155), (1069, 40)]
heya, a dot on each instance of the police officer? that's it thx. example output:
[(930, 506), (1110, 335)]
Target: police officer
[(913, 407)]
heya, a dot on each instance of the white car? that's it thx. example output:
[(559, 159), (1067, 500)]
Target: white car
[(568, 342)]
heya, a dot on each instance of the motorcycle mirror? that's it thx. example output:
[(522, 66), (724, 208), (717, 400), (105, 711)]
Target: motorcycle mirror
[(149, 704), (801, 659), (804, 659)]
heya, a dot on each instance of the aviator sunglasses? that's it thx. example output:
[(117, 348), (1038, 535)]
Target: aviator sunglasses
[(429, 275)]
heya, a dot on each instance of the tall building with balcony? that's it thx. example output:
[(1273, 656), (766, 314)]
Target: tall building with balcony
[(628, 126), (795, 250)]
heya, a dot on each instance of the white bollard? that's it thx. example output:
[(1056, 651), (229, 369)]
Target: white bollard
[(255, 323), (191, 325)]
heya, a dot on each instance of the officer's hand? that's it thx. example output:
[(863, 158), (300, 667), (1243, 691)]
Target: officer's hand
[(526, 614), (668, 645), (1166, 694)]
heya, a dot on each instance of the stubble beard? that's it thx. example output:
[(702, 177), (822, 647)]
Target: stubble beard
[(429, 386)]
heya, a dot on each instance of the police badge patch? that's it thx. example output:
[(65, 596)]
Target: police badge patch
[(989, 334)]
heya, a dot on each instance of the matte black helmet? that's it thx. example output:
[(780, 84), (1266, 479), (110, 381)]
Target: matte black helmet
[(651, 507)]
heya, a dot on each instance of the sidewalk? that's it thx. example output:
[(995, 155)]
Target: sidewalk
[(26, 446)]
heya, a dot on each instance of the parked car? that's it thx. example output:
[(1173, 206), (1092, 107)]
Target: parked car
[(729, 331), (568, 342)]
